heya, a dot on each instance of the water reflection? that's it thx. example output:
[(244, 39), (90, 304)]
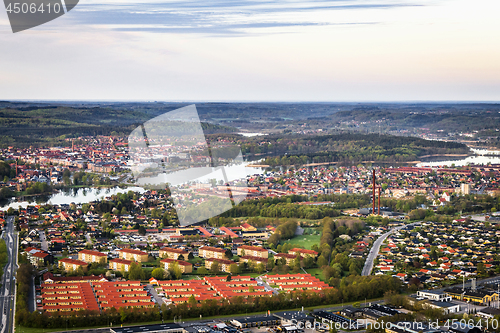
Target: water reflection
[(469, 160), (72, 195)]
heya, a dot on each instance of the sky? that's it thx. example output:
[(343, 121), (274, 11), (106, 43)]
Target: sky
[(243, 50)]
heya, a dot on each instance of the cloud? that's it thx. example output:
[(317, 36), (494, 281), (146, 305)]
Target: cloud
[(222, 17)]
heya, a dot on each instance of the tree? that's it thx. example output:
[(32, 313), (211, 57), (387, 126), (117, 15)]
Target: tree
[(308, 261), (192, 301), (142, 230), (175, 270), (202, 271), (234, 269), (214, 269), (481, 268), (136, 272), (322, 261), (158, 273), (229, 253)]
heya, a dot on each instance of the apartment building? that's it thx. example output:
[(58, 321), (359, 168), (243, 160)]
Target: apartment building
[(257, 260), (287, 256), (185, 266), (118, 264), (92, 256), (172, 253), (254, 251), (72, 265), (208, 252), (135, 255)]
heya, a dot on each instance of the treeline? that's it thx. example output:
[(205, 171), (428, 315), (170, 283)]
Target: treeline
[(284, 231), (334, 257), (473, 203), (84, 178), (403, 205), (354, 288), (4, 257), (38, 188), (6, 170), (24, 275), (281, 207)]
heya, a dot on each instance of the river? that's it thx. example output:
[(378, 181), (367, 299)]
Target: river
[(482, 156)]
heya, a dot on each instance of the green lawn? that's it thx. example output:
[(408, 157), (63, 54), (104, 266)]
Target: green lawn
[(191, 277), (317, 272), (305, 241)]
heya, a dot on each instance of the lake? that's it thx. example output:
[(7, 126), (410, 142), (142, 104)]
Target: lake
[(67, 196)]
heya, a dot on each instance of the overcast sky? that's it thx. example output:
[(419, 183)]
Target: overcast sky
[(225, 50)]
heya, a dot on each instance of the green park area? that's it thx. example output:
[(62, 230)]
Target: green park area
[(310, 237)]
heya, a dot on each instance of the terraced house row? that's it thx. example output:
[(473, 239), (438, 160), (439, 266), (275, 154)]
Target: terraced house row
[(93, 296), (180, 291), (291, 282)]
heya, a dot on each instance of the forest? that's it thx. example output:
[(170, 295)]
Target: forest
[(50, 124), (344, 149)]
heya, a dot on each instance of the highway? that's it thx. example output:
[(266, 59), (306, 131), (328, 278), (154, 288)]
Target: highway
[(367, 269), (7, 290)]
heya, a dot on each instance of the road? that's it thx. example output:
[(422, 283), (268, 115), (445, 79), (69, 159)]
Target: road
[(43, 240), (89, 240), (7, 291), (152, 290), (367, 270)]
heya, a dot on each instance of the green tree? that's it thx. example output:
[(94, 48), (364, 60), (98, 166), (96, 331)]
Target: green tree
[(214, 269), (175, 270), (202, 271), (234, 269), (158, 273), (136, 272)]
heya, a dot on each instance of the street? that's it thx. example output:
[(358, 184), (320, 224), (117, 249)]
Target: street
[(43, 240), (7, 291), (367, 269)]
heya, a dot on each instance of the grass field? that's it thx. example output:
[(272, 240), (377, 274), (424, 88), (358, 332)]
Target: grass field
[(317, 272), (305, 241)]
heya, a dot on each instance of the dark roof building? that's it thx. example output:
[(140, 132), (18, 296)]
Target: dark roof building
[(158, 328)]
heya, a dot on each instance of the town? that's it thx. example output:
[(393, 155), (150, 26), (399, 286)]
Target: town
[(322, 233)]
